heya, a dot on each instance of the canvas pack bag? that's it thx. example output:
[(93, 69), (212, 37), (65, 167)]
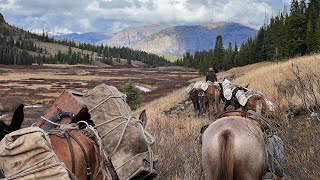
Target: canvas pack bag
[(27, 154), (110, 113)]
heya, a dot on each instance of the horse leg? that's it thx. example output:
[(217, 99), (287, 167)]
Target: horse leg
[(226, 104), (210, 111), (217, 102)]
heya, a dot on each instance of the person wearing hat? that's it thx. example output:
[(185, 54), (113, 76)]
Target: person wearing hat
[(211, 76)]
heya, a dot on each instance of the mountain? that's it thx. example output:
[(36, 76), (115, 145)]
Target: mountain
[(90, 37), (178, 40), (171, 40), (130, 36)]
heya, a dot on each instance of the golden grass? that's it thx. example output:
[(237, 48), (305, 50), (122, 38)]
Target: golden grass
[(270, 76), (177, 146)]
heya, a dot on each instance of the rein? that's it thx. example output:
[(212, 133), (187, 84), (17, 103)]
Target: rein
[(126, 121)]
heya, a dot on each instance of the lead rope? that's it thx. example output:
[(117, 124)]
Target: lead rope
[(148, 138)]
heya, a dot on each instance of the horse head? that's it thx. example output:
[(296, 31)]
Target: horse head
[(16, 122)]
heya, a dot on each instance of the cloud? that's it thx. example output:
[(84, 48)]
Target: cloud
[(114, 15)]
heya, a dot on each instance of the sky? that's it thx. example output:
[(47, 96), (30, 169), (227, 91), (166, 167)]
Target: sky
[(66, 16)]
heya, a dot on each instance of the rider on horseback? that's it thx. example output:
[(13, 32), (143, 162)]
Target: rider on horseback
[(211, 76)]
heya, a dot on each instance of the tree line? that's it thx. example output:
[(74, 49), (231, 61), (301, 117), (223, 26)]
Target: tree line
[(286, 35), (16, 45)]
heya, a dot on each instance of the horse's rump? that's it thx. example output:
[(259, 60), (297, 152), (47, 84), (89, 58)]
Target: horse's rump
[(27, 154), (234, 148)]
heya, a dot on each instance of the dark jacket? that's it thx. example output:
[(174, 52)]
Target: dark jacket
[(211, 76)]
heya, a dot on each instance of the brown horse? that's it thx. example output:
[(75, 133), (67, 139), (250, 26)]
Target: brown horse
[(194, 96), (87, 160), (256, 102), (213, 96), (234, 148)]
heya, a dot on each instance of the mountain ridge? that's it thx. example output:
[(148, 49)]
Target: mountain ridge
[(177, 40)]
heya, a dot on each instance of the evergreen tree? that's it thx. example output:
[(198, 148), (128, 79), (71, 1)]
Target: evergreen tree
[(317, 35), (218, 54), (129, 61), (310, 40), (133, 96)]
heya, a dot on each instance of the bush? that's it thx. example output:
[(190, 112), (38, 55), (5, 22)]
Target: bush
[(133, 96)]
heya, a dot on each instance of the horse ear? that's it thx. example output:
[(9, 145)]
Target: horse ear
[(17, 118), (143, 118), (247, 85), (203, 128)]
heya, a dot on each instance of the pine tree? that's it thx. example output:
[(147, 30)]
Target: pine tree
[(133, 96), (317, 35), (310, 40), (218, 54)]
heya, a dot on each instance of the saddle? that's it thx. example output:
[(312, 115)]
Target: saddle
[(233, 113)]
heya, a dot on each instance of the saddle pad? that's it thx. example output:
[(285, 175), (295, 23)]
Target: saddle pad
[(27, 154)]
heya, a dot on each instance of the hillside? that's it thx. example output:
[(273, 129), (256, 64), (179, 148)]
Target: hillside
[(20, 47), (90, 37), (298, 129), (177, 40)]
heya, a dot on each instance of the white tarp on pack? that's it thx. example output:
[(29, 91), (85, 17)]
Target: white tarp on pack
[(199, 85), (243, 97), (27, 154), (189, 88), (228, 88)]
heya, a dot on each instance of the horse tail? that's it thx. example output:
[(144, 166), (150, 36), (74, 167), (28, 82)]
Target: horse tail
[(226, 160)]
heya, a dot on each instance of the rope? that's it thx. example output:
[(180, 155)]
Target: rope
[(147, 136), (62, 126), (22, 174), (26, 171), (91, 132), (109, 97)]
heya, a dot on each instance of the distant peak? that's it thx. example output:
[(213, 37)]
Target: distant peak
[(219, 24), (2, 19)]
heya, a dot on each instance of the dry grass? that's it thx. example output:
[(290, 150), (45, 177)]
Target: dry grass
[(177, 143), (270, 76), (54, 48)]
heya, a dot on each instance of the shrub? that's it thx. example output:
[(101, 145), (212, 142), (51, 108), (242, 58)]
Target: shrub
[(133, 96)]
